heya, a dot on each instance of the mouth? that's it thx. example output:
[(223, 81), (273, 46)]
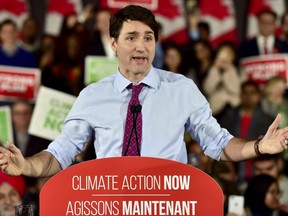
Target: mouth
[(139, 59)]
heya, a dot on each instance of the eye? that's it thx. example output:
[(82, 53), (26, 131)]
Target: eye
[(131, 38), (148, 39)]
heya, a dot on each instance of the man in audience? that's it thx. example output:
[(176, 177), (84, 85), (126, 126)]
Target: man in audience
[(11, 54), (12, 189), (21, 116), (247, 121), (266, 41)]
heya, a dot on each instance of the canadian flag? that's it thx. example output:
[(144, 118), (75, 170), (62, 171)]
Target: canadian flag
[(278, 6), (221, 18), (169, 13), (56, 11), (16, 10)]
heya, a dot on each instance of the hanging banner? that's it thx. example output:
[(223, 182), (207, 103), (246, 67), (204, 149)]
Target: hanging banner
[(262, 68), (6, 131), (19, 83), (131, 186), (50, 111)]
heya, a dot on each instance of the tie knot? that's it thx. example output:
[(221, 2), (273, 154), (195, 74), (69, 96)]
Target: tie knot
[(136, 89)]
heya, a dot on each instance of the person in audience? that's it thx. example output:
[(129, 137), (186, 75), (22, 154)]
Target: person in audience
[(204, 57), (12, 190), (262, 197), (158, 60), (247, 121), (46, 54), (225, 173), (222, 84), (99, 44), (21, 116), (11, 54), (273, 165), (29, 35), (173, 58), (274, 100), (284, 26), (266, 42)]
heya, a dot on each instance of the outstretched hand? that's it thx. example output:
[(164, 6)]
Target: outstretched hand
[(275, 140), (12, 161)]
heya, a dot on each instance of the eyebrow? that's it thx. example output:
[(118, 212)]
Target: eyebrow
[(135, 33)]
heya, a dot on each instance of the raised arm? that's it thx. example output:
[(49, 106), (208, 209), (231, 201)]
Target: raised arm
[(274, 141), (12, 162)]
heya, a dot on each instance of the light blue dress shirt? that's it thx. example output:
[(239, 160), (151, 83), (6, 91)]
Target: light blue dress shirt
[(171, 105)]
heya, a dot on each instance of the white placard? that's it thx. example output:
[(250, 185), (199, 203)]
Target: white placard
[(50, 111)]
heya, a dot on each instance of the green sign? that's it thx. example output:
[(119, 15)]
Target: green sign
[(5, 125), (98, 67)]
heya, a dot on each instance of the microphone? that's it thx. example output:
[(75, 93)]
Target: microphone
[(135, 110)]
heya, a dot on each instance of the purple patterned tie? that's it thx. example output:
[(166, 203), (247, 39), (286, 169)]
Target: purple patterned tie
[(133, 127)]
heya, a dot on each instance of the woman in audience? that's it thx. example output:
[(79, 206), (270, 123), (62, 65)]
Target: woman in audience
[(262, 197), (222, 84)]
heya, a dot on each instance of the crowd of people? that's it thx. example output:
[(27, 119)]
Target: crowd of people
[(240, 105)]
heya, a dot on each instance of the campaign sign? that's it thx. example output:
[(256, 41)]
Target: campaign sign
[(262, 68), (98, 67), (6, 131), (131, 186), (50, 111), (19, 83)]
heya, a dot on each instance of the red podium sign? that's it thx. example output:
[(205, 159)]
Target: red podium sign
[(131, 186)]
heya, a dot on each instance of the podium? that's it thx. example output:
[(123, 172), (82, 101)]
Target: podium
[(131, 186)]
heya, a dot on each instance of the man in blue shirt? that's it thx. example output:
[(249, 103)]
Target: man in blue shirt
[(171, 104), (11, 54)]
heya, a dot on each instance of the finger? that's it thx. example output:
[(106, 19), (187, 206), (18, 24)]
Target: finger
[(11, 147), (274, 124)]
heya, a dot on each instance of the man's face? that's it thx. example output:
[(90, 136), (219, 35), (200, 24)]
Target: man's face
[(269, 167), (266, 24), (250, 97), (9, 34), (135, 49), (9, 198), (21, 115)]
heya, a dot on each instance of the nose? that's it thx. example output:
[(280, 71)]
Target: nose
[(140, 45), (7, 200)]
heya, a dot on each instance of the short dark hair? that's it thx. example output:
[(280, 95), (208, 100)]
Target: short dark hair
[(267, 11), (136, 13), (7, 22), (266, 157), (250, 83)]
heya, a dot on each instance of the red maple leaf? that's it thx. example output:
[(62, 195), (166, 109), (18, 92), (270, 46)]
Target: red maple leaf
[(63, 7), (256, 5), (215, 8), (16, 7)]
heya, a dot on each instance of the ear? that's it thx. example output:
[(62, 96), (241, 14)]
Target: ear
[(114, 44)]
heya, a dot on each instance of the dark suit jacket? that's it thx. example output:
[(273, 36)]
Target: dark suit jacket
[(35, 145), (95, 46), (250, 48), (259, 123)]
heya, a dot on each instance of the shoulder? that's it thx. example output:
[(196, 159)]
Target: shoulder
[(171, 77), (100, 86)]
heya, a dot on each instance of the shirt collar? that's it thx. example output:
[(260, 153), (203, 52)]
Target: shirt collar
[(151, 79)]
